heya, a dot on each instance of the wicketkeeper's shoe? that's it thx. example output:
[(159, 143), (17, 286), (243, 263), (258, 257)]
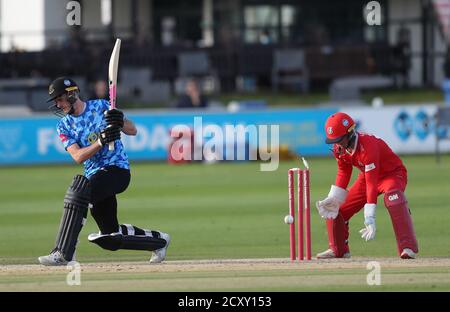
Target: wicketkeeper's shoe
[(55, 258), (160, 254), (329, 254), (408, 254)]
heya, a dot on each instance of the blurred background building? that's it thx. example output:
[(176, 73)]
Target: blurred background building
[(226, 45), (271, 62)]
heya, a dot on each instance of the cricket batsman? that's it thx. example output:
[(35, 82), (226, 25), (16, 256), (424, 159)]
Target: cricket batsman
[(85, 130), (381, 172)]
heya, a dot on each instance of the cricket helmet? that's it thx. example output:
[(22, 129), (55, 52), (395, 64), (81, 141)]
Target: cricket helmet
[(61, 85), (338, 126)]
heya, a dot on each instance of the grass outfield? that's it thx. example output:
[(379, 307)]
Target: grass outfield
[(224, 211)]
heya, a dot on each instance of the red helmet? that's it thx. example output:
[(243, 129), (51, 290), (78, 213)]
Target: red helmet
[(338, 126)]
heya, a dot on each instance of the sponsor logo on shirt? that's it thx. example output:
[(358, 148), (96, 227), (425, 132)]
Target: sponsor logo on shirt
[(370, 167)]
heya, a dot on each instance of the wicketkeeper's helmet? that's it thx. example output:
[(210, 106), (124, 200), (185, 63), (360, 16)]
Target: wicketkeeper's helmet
[(338, 126)]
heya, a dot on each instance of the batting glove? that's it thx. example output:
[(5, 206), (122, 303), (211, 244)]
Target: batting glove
[(114, 117), (109, 134)]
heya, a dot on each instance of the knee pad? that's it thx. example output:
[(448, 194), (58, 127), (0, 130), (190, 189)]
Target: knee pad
[(76, 202), (394, 198), (397, 205)]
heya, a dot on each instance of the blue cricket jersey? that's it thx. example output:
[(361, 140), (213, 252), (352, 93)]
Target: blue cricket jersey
[(85, 130)]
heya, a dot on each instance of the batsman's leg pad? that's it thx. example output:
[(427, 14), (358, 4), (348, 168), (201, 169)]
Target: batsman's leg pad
[(129, 237), (338, 235), (76, 202), (397, 206)]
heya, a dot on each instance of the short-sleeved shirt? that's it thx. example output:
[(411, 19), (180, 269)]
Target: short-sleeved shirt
[(373, 157), (85, 130)]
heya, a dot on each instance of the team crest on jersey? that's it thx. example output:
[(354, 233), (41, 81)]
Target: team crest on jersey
[(92, 137), (330, 130)]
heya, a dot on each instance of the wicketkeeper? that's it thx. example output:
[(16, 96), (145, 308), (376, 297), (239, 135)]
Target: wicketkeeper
[(382, 172), (85, 130)]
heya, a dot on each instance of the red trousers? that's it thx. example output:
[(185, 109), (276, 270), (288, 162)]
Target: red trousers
[(356, 198), (393, 187)]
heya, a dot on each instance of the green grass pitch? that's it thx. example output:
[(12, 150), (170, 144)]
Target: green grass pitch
[(221, 211)]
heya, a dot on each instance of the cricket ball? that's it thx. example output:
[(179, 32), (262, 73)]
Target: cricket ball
[(288, 219)]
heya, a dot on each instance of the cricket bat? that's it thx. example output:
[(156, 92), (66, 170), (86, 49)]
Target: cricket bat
[(112, 79)]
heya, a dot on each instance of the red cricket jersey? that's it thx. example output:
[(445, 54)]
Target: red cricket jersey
[(373, 157)]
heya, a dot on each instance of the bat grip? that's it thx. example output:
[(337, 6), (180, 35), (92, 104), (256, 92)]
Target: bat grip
[(111, 144), (112, 96)]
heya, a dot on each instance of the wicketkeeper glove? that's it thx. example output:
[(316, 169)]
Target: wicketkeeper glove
[(329, 207), (114, 117), (109, 134), (368, 233)]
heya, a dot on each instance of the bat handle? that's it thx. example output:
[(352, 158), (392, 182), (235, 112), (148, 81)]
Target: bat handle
[(112, 94)]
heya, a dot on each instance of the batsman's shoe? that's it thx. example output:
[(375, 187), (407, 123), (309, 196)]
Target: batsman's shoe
[(55, 258), (408, 254), (160, 254), (329, 254)]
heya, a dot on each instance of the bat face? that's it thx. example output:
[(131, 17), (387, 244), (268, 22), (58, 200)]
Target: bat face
[(112, 73), (112, 79)]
